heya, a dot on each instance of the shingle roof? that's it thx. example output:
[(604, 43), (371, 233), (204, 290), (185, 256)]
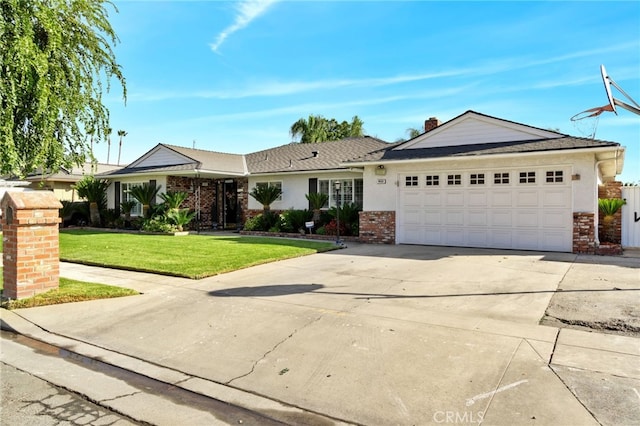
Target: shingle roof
[(516, 147), (300, 157), (212, 160)]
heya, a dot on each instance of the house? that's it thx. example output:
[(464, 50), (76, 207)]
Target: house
[(218, 183), (481, 181), (62, 182), (475, 181)]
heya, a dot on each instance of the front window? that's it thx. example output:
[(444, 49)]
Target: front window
[(125, 189), (351, 191), (277, 184)]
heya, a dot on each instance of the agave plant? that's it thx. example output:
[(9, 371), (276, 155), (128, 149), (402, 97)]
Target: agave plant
[(146, 195)]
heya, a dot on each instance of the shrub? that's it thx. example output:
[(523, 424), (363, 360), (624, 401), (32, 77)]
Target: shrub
[(331, 228), (321, 231), (180, 217), (254, 223), (349, 218), (158, 224), (294, 220)]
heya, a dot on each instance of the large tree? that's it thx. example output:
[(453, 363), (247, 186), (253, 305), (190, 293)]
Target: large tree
[(56, 60), (316, 128)]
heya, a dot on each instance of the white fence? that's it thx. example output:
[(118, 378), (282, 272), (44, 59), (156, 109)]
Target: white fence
[(631, 216)]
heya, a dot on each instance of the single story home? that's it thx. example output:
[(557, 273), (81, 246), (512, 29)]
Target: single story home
[(62, 183), (474, 181)]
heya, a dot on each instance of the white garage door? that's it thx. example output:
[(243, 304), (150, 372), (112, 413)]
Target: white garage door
[(526, 209)]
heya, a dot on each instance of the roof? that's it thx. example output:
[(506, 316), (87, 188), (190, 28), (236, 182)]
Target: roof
[(300, 156), (515, 147), (165, 158), (75, 174)]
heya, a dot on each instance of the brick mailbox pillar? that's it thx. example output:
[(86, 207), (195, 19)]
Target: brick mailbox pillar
[(30, 237)]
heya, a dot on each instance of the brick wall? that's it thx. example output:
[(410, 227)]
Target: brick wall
[(30, 237), (378, 227), (610, 190), (583, 233), (209, 190)]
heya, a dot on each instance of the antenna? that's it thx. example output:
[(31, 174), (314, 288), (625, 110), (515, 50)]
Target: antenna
[(194, 144)]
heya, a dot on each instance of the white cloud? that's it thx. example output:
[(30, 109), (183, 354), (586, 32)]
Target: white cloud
[(248, 10)]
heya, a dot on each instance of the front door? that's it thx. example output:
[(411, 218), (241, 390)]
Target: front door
[(230, 204)]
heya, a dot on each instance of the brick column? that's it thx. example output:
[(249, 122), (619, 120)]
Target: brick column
[(584, 237), (30, 236), (378, 227)]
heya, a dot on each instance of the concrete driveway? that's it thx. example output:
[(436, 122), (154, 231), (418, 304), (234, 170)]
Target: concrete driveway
[(370, 335)]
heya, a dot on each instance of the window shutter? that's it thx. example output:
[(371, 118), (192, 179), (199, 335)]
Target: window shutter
[(116, 189), (152, 184), (313, 188)]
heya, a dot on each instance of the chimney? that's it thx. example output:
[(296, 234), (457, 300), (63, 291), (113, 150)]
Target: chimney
[(315, 153), (431, 124)]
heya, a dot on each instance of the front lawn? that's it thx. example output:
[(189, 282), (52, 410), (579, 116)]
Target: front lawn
[(191, 256), (68, 291)]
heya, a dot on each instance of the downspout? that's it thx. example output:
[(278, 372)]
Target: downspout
[(596, 214)]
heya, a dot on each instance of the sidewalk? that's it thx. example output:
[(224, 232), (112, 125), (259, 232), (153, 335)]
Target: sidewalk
[(362, 339)]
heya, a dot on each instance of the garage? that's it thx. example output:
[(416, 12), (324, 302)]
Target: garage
[(527, 208)]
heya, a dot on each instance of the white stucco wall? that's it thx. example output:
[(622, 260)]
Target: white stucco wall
[(294, 188), (160, 180), (380, 192)]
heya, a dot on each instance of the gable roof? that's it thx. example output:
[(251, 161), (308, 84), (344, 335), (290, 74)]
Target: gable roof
[(489, 136), (166, 159), (297, 157)]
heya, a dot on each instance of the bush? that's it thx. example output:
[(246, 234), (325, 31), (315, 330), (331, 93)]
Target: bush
[(254, 223), (158, 224), (294, 220), (331, 228), (321, 231), (349, 218)]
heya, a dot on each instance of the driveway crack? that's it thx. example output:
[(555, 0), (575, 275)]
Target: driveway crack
[(255, 364)]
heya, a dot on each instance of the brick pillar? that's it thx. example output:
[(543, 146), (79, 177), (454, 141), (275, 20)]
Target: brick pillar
[(584, 237), (378, 227), (30, 235)]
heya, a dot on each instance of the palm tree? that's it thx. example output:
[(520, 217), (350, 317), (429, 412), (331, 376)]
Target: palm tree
[(413, 132), (266, 195), (313, 129), (317, 200), (108, 132), (146, 195), (122, 134), (95, 192)]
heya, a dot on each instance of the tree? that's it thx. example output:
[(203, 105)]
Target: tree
[(122, 134), (317, 200), (56, 60), (146, 195), (316, 128), (108, 133), (95, 192), (266, 195)]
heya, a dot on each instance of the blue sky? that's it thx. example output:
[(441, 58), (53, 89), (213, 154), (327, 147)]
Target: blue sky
[(234, 76)]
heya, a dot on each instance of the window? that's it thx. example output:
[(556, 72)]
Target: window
[(555, 176), (454, 180), (125, 189), (351, 191), (527, 177), (476, 179), (501, 178), (277, 184), (433, 180), (411, 181)]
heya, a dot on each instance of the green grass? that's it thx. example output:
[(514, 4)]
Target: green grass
[(191, 256), (70, 291)]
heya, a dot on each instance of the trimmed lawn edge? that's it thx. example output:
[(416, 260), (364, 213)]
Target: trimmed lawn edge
[(194, 276)]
